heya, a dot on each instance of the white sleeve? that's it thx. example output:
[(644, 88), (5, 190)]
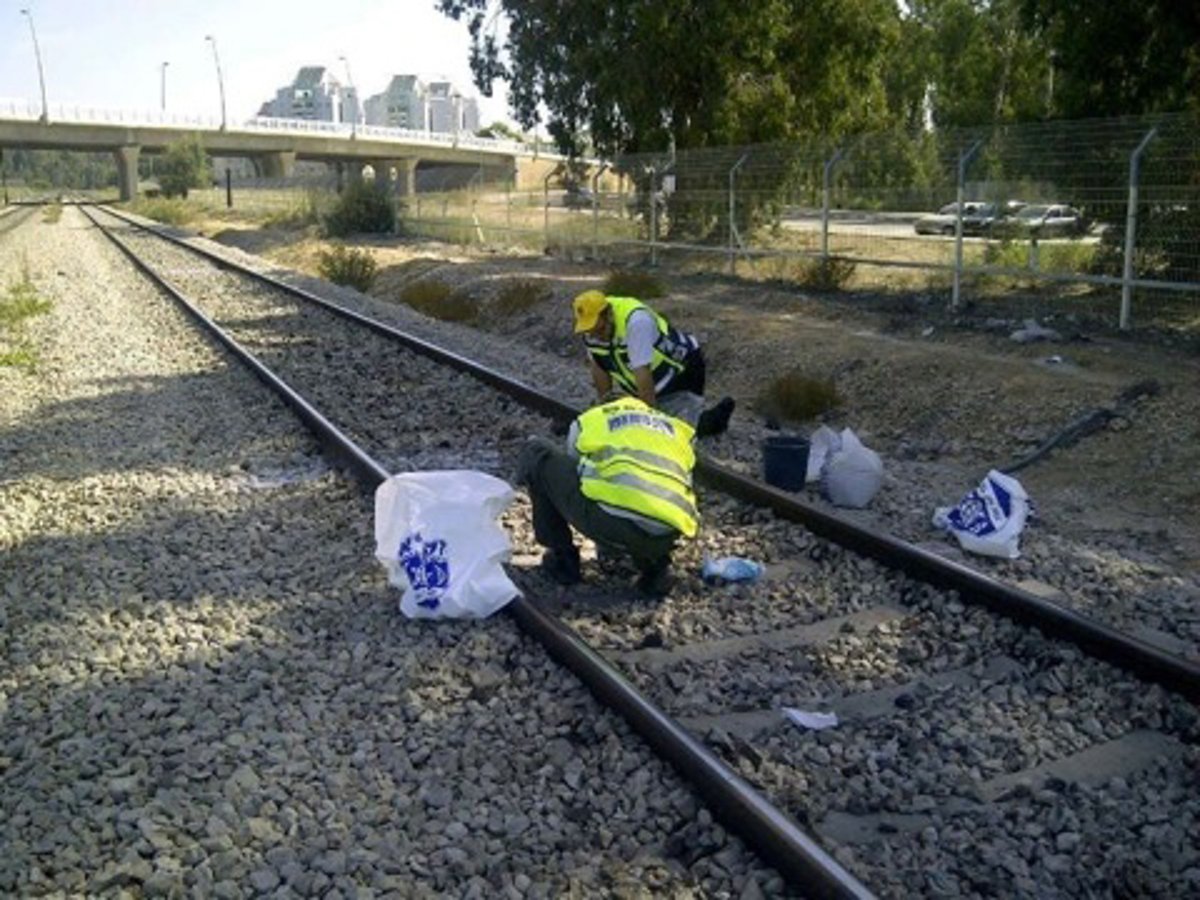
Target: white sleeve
[(573, 439), (641, 333)]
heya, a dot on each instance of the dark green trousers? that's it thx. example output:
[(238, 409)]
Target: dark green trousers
[(552, 478)]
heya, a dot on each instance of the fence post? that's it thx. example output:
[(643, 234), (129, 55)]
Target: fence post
[(733, 232), (653, 219), (546, 211), (826, 178), (596, 210), (228, 189), (964, 157), (1135, 166), (508, 208)]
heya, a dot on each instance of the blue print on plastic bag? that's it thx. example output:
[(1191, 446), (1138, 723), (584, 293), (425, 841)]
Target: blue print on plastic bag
[(427, 568), (982, 511)]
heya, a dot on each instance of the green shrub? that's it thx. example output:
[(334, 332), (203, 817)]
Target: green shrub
[(518, 296), (797, 397), (829, 274), (350, 266), (361, 209), (184, 166), (437, 300), (171, 212), (298, 214), (641, 285)]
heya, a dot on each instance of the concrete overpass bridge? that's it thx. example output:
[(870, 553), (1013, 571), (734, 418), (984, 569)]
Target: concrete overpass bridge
[(273, 145)]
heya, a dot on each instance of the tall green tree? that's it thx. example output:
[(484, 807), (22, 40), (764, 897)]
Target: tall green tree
[(643, 75), (1120, 57)]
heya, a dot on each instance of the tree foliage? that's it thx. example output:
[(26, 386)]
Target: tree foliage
[(59, 168), (1116, 57), (633, 76), (184, 166)]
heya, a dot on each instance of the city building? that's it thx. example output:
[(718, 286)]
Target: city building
[(437, 106), (313, 94), (403, 104)]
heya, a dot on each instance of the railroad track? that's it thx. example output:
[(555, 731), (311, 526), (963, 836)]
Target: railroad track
[(950, 718), (13, 216)]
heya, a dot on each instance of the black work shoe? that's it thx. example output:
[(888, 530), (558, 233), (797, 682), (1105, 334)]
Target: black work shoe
[(714, 421), (561, 568), (656, 580)]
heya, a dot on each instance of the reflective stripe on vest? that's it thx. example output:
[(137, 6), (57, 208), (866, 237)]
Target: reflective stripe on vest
[(670, 350), (636, 458)]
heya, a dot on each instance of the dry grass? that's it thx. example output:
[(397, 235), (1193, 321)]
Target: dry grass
[(630, 283), (438, 300), (797, 397), (518, 296)]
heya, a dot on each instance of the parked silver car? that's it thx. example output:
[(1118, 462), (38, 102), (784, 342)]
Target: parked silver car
[(942, 222), (1046, 220)]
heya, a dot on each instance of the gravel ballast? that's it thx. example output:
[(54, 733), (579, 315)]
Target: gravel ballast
[(207, 688)]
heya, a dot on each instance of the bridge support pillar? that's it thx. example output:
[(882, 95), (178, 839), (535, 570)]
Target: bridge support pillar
[(127, 170), (406, 177), (277, 165), (383, 175), (354, 172)]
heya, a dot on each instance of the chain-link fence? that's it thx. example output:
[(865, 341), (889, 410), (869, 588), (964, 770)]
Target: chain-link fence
[(1093, 218)]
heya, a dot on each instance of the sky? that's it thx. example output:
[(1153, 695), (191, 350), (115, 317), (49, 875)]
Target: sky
[(108, 53)]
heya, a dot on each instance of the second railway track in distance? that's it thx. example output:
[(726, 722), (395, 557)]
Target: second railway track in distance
[(972, 755)]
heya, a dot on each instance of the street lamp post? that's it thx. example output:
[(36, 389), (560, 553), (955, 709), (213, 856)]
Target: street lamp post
[(354, 93), (163, 92), (220, 77), (37, 52)]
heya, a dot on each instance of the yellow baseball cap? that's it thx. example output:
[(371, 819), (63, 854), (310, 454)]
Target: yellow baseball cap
[(588, 307)]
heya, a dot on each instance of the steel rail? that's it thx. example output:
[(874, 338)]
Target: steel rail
[(770, 831), (1102, 641)]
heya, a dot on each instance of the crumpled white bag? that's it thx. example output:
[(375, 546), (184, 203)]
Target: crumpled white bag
[(821, 443), (437, 536), (989, 520), (850, 473)]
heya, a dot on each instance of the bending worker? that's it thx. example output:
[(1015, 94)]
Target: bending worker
[(633, 348), (625, 481)]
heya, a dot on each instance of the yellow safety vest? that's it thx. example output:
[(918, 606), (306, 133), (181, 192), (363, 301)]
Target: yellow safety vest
[(635, 457), (670, 350)]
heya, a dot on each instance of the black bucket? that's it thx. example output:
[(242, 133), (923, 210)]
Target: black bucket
[(785, 461)]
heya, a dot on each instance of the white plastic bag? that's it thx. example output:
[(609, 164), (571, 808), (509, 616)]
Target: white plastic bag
[(851, 474), (989, 520), (821, 443), (437, 536)]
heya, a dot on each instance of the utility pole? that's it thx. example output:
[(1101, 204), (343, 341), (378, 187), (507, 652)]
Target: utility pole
[(220, 77), (163, 92), (37, 52), (353, 93)]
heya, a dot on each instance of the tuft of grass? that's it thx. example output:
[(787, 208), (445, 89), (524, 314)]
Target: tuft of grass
[(349, 266), (830, 274), (52, 213), (518, 296), (641, 285), (298, 214), (437, 300), (171, 212), (797, 397), (18, 304)]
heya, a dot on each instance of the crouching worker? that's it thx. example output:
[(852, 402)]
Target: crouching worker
[(625, 481)]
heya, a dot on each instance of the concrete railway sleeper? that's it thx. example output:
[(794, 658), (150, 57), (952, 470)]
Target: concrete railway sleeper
[(971, 755)]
